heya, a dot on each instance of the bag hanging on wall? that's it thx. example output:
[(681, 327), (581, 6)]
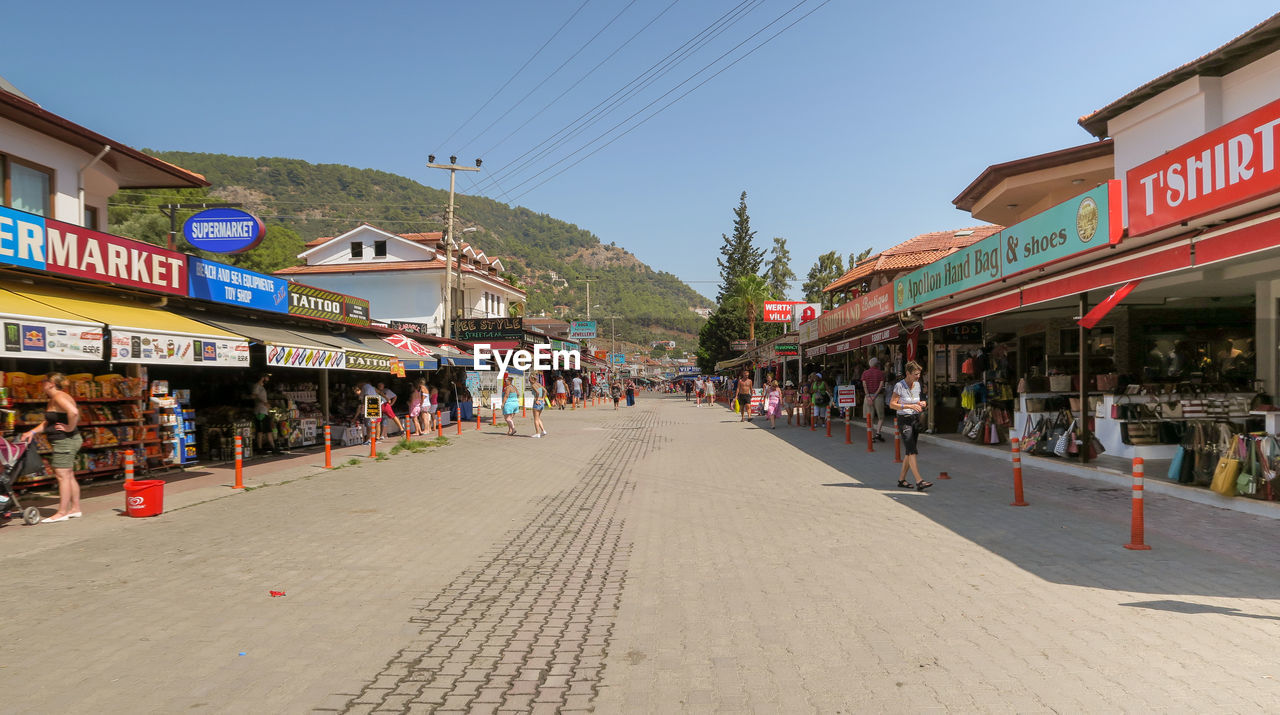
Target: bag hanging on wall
[(1022, 385), (1175, 465), (1170, 410), (1067, 437), (967, 367), (1193, 409), (1226, 472)]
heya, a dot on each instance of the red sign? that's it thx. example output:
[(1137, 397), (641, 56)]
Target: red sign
[(75, 251), (1230, 165), (778, 311), (862, 309)]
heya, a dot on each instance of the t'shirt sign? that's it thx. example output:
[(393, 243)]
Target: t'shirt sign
[(1230, 165)]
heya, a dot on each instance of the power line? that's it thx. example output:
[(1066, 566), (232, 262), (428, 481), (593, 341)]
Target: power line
[(316, 202), (580, 80), (661, 67), (517, 73), (548, 77), (677, 99)]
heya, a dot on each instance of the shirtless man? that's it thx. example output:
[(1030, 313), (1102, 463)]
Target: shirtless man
[(744, 397)]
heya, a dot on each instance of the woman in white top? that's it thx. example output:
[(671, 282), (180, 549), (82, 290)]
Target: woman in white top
[(907, 403)]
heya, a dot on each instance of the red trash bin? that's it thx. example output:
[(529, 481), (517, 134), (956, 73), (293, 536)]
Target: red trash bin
[(144, 497)]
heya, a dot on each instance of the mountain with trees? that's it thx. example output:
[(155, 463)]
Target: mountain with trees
[(300, 201)]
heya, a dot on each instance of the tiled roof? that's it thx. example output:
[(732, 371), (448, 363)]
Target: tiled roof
[(913, 253), (428, 237)]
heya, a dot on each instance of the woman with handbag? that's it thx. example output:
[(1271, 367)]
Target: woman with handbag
[(907, 403)]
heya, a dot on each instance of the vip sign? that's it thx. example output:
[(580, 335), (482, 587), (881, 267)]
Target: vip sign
[(1230, 165)]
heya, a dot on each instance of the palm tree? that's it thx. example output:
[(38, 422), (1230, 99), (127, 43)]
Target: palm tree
[(747, 298)]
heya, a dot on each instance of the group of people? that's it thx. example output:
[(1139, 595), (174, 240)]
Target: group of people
[(815, 401), (424, 407)]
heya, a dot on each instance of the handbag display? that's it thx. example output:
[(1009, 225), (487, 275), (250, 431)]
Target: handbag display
[(1193, 409), (1060, 383), (1067, 437), (1175, 465), (1170, 410), (1226, 472), (1107, 382)]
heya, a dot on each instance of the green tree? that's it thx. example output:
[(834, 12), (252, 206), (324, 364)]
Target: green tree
[(740, 256), (658, 352), (862, 256), (278, 249), (779, 273), (829, 267), (747, 299)]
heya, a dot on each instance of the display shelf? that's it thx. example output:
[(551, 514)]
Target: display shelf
[(78, 399), (87, 424)]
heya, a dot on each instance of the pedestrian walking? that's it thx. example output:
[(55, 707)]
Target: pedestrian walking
[(510, 404), (709, 386), (907, 403), (631, 393), (873, 402), (433, 407), (264, 424), (363, 391), (821, 399), (562, 391), (744, 397), (773, 402), (688, 390), (789, 399), (577, 388), (539, 404), (59, 426), (615, 390), (417, 398), (388, 411)]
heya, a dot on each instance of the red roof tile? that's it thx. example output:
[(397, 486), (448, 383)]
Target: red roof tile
[(913, 253)]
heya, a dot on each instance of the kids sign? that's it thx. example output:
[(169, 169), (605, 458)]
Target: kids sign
[(36, 242), (1087, 222), (224, 230)]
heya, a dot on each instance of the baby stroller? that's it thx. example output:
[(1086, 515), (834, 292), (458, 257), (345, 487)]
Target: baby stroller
[(17, 460)]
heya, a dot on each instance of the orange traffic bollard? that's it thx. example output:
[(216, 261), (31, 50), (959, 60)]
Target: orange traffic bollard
[(477, 420), (373, 443), (813, 423), (848, 433), (1137, 529), (1017, 476), (521, 409), (828, 424), (328, 449), (439, 426), (870, 437), (493, 416), (128, 465), (943, 475), (239, 463), (459, 420), (408, 428), (897, 445)]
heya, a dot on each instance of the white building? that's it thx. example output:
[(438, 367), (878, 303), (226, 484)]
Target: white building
[(402, 275), (55, 168)]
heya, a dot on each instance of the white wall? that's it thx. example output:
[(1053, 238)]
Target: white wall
[(23, 143), (398, 249), (393, 295)]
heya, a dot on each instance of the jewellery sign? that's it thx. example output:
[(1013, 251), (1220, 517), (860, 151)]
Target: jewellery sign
[(1084, 223), (220, 283), (373, 362), (51, 340), (1230, 165), (583, 330), (291, 356), (131, 346), (327, 305), (33, 241), (471, 329)]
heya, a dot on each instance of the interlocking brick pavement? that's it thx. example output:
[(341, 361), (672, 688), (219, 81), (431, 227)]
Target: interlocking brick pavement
[(661, 559)]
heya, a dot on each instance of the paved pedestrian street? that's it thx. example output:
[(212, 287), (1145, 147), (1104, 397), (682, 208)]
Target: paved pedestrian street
[(660, 559)]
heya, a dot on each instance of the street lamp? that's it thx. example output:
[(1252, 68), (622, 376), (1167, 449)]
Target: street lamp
[(453, 168)]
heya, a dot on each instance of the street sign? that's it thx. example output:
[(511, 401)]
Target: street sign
[(741, 345), (372, 407), (224, 230), (618, 358), (846, 396)]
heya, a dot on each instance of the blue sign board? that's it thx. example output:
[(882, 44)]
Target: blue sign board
[(618, 358), (21, 239), (689, 369), (223, 230), (220, 283)]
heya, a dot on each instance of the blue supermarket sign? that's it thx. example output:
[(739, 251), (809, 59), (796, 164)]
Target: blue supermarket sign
[(220, 283), (223, 230)]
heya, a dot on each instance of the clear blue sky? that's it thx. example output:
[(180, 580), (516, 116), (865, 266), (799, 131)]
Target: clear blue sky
[(855, 128)]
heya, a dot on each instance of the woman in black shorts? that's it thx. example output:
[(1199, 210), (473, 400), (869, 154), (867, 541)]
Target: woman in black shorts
[(907, 403)]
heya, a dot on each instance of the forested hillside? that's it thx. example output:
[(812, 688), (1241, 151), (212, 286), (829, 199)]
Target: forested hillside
[(300, 201)]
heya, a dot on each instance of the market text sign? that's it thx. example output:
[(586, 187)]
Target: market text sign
[(34, 242), (1084, 223), (223, 230), (1230, 165), (220, 283)]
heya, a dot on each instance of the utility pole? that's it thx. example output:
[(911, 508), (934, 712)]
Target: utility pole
[(171, 210), (452, 168), (588, 281), (614, 330)]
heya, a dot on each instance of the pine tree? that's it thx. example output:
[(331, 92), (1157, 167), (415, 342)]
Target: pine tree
[(829, 267), (741, 257), (779, 273)]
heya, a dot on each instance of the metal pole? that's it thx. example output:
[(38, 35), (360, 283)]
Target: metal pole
[(933, 376), (1084, 383), (448, 262)]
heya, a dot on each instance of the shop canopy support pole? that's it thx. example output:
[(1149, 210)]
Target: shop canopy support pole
[(324, 395), (1085, 433), (931, 371)]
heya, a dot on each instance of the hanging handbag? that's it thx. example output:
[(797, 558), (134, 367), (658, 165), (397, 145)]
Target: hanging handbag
[(1060, 383), (966, 367), (1175, 465), (1068, 436), (1247, 482), (1107, 382), (1022, 385), (1171, 410), (1226, 472), (1193, 409)]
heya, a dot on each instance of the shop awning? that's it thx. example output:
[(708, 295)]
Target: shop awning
[(35, 330), (973, 310), (409, 359), (144, 334), (287, 347)]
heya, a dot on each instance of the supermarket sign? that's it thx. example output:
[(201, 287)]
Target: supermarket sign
[(1230, 165), (1087, 222), (32, 241)]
